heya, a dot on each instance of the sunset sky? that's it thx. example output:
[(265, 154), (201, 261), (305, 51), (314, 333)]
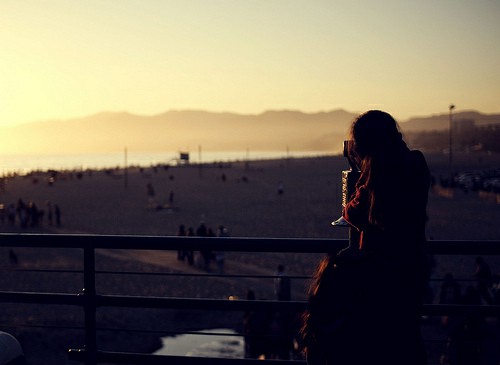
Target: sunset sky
[(62, 59)]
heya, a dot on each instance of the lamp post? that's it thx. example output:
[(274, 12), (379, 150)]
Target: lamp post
[(450, 141)]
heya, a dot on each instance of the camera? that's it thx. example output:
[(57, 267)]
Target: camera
[(349, 180)]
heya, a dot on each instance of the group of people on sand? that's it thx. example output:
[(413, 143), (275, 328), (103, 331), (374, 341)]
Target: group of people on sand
[(29, 214), (203, 258), (154, 204)]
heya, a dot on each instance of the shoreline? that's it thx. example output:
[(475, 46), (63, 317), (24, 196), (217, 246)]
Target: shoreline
[(82, 162)]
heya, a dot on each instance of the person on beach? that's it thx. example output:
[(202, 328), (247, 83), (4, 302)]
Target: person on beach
[(220, 256), (57, 212), (49, 211), (190, 253), (181, 254), (365, 301), (150, 191)]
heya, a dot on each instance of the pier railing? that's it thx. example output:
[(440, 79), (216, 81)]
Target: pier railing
[(89, 300)]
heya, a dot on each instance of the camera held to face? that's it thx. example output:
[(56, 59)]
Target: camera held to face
[(349, 178)]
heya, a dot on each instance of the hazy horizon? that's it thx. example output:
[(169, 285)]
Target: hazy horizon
[(188, 130)]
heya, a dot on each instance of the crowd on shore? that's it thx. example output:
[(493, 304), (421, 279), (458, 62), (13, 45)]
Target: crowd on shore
[(29, 214), (204, 258)]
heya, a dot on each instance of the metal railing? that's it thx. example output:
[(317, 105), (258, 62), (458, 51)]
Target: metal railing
[(89, 300)]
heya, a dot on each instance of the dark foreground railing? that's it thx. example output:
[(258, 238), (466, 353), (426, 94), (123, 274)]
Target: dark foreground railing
[(89, 300)]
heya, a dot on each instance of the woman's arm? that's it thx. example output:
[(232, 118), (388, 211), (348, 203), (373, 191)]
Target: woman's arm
[(356, 210)]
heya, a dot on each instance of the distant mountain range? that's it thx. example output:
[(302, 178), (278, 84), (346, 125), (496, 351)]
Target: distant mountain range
[(187, 130), (441, 121)]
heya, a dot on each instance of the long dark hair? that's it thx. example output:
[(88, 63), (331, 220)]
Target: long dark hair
[(379, 150)]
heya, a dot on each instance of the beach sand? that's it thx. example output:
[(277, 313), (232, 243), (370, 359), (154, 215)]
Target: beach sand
[(241, 196)]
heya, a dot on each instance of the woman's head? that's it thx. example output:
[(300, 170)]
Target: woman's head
[(374, 133), (379, 151)]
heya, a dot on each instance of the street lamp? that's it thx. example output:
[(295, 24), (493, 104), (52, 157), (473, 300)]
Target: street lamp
[(450, 147)]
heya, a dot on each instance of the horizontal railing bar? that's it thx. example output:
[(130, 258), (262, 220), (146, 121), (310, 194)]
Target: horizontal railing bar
[(43, 270), (463, 247), (461, 310), (164, 273), (44, 326), (116, 329), (150, 302), (159, 273), (191, 275), (237, 244), (240, 244), (146, 359), (215, 304), (458, 279), (40, 298), (197, 304), (166, 333)]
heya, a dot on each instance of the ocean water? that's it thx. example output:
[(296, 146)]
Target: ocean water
[(220, 342), (22, 164)]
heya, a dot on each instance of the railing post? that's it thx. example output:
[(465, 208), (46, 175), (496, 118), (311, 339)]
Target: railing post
[(89, 305)]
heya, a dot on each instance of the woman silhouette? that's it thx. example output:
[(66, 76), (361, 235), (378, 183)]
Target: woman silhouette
[(365, 301)]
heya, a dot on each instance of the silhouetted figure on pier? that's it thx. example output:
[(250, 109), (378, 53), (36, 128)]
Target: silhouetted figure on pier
[(465, 341), (13, 259), (365, 302), (282, 287), (254, 329), (496, 291), (450, 290), (450, 293), (483, 280)]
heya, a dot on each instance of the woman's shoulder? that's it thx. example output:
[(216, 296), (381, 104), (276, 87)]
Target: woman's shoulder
[(416, 157), (418, 164)]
